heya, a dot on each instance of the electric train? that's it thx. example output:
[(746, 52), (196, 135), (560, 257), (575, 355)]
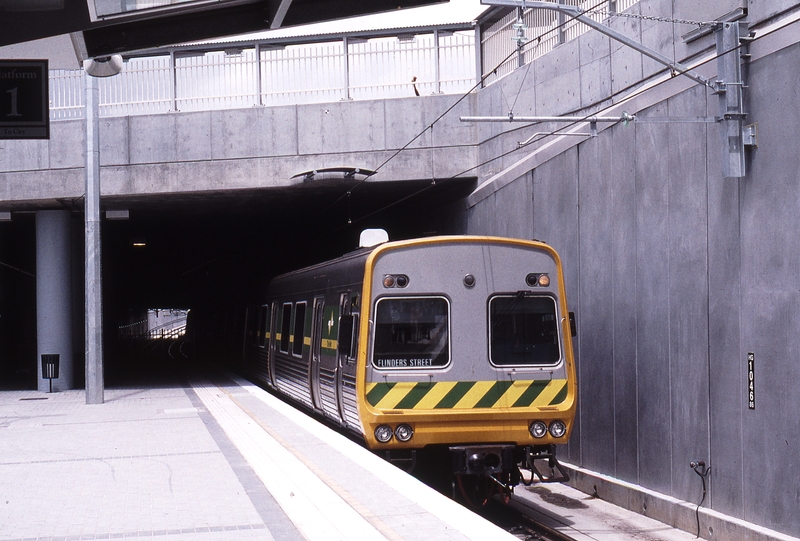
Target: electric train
[(455, 344)]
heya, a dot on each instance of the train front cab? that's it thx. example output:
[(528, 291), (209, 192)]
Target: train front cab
[(469, 348)]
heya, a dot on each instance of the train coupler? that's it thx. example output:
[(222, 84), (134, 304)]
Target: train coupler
[(535, 458), (482, 459)]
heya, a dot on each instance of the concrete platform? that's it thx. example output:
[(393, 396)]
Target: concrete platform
[(213, 460), (586, 518)]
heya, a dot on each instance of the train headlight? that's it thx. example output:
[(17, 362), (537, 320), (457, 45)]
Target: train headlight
[(395, 280), (403, 432), (536, 279), (558, 429), (538, 429), (383, 433)]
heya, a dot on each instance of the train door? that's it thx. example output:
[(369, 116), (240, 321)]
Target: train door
[(345, 366), (316, 351), (273, 322)]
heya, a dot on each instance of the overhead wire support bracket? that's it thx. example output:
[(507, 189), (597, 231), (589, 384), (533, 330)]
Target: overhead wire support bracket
[(732, 41), (591, 119), (535, 119), (573, 11)]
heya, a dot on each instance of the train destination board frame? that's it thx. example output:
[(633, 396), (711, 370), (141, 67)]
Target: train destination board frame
[(24, 99)]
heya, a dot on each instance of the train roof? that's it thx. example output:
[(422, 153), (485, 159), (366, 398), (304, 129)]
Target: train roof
[(359, 257), (350, 256)]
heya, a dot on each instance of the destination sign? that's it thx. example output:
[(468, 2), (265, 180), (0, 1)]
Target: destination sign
[(404, 362), (24, 99)]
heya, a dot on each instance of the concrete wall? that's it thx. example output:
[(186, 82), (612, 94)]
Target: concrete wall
[(675, 273), (237, 149)]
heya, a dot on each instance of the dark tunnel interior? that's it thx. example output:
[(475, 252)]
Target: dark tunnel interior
[(207, 253)]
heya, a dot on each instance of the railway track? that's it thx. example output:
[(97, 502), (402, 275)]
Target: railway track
[(512, 517)]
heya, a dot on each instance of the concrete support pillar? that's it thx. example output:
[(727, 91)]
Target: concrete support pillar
[(53, 296), (95, 386)]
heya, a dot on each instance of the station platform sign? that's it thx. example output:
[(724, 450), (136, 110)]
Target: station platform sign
[(24, 99)]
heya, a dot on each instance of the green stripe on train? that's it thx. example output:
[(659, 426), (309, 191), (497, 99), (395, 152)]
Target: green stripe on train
[(378, 392), (490, 398)]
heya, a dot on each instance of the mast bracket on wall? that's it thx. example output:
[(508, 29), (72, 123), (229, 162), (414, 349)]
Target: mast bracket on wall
[(733, 38), (580, 15)]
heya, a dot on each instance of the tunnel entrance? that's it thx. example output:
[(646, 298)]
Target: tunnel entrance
[(204, 254)]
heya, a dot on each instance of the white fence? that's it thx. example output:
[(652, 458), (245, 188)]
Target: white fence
[(345, 68), (543, 30), (269, 74)]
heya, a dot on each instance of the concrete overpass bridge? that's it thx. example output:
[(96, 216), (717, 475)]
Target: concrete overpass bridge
[(210, 155)]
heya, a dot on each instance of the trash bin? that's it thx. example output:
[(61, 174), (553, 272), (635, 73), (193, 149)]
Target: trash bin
[(50, 367)]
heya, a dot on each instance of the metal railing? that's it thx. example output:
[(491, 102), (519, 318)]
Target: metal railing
[(543, 31), (271, 73), (358, 67)]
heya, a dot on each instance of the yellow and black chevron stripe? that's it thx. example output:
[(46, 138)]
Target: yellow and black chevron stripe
[(466, 394)]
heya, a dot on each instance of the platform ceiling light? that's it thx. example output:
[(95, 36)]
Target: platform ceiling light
[(138, 242), (103, 67)]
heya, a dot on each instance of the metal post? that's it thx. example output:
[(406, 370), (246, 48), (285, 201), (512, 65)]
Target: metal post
[(520, 38), (258, 75), (729, 88), (478, 55), (346, 63), (94, 301), (173, 97), (437, 86)]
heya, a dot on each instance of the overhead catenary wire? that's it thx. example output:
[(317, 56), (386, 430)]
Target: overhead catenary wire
[(477, 85), (533, 139)]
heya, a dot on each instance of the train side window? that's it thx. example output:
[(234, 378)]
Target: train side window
[(263, 326), (299, 328), (348, 333), (286, 327), (523, 330)]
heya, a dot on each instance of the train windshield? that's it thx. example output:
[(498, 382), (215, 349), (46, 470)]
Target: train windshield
[(523, 330), (412, 332)]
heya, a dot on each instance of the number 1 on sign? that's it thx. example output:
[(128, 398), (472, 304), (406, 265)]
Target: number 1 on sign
[(13, 93)]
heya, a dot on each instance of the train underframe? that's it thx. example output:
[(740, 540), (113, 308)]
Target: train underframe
[(479, 472)]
